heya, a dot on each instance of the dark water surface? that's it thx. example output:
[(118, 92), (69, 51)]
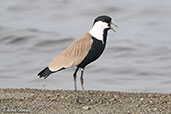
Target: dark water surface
[(137, 58)]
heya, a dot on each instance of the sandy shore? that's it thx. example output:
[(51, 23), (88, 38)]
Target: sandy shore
[(36, 101)]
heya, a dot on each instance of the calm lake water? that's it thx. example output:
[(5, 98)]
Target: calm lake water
[(137, 58)]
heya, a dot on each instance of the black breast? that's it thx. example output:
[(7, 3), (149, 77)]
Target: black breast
[(94, 53)]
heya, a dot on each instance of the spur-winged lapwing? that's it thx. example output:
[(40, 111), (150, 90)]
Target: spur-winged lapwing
[(83, 51)]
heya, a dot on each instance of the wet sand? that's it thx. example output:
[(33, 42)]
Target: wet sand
[(35, 101)]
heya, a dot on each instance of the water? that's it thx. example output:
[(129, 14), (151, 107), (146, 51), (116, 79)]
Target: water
[(137, 58)]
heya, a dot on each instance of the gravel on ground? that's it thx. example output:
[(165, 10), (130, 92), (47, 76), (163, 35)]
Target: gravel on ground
[(37, 101)]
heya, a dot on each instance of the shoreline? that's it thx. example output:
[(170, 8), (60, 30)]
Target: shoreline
[(37, 101)]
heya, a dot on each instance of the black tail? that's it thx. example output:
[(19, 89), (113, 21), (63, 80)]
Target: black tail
[(45, 73)]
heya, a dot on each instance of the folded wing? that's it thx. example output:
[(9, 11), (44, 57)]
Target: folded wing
[(73, 55)]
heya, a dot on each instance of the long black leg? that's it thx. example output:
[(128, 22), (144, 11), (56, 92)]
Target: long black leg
[(75, 80), (81, 79)]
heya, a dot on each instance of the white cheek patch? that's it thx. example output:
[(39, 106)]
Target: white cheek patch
[(97, 30), (104, 25), (101, 25)]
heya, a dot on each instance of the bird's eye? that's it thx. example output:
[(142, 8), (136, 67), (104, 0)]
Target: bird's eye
[(102, 20)]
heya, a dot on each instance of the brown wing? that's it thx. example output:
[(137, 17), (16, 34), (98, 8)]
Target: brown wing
[(73, 55)]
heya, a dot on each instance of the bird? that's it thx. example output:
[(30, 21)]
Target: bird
[(82, 51)]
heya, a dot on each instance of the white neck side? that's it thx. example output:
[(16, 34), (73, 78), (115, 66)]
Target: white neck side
[(97, 31)]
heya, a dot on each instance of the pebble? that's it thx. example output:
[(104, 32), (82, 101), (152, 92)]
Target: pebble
[(155, 109), (62, 97), (86, 107), (141, 99), (151, 102)]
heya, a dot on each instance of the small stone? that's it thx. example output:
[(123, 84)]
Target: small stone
[(112, 99), (149, 110), (49, 105), (62, 97), (22, 98), (86, 107), (151, 102), (32, 94), (141, 99), (169, 103), (39, 98), (155, 109)]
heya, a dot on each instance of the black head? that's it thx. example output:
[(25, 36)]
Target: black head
[(103, 18), (101, 26)]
